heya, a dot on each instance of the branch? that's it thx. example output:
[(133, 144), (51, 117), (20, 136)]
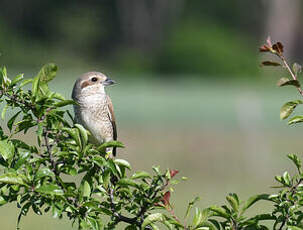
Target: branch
[(155, 191), (294, 77), (292, 192), (120, 217), (49, 151), (143, 209), (234, 225), (17, 100), (278, 49)]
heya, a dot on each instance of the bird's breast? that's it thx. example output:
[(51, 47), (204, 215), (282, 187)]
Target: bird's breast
[(92, 113)]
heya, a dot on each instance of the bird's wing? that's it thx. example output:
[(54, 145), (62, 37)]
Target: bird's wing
[(111, 116)]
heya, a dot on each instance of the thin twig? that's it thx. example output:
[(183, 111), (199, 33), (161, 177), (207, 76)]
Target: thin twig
[(49, 151), (141, 213), (15, 99), (119, 216), (294, 77), (234, 225)]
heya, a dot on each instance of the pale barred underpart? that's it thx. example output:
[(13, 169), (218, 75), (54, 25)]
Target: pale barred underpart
[(93, 113)]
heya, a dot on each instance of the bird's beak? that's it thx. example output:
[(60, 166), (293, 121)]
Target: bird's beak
[(109, 81)]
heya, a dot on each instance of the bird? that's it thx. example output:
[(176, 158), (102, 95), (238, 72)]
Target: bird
[(94, 108)]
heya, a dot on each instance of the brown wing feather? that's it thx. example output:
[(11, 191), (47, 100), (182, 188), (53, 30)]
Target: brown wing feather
[(113, 121)]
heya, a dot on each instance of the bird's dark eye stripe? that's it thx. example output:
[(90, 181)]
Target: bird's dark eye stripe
[(94, 79)]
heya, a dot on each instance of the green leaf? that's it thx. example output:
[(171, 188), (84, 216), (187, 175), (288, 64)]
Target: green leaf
[(40, 130), (219, 211), (83, 135), (36, 209), (50, 189), (71, 171), (113, 168), (106, 178), (12, 178), (110, 144), (173, 223), (279, 179), (94, 223), (4, 71), (86, 190), (56, 211), (252, 200), (64, 103), (5, 80), (25, 82), (24, 125), (295, 120), (17, 79), (127, 182), (2, 201), (215, 223), (122, 163), (4, 112), (205, 214), (40, 89), (233, 202), (44, 172), (155, 227), (207, 226), (190, 206), (58, 96), (74, 133), (288, 108), (2, 74), (48, 72), (270, 63), (287, 179), (197, 218), (285, 81), (11, 121), (155, 217), (294, 158), (140, 175), (156, 169), (7, 150), (44, 92), (168, 224), (20, 144), (35, 86), (289, 227), (23, 156), (23, 212)]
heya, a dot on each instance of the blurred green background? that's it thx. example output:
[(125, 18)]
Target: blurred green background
[(190, 94)]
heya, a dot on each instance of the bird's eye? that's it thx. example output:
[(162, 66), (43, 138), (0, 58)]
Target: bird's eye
[(94, 79)]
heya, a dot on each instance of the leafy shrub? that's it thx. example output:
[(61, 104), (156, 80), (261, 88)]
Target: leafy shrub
[(34, 175), (66, 175)]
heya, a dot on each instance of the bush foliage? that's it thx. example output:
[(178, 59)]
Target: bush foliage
[(64, 174)]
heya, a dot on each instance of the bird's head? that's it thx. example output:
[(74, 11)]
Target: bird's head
[(91, 83)]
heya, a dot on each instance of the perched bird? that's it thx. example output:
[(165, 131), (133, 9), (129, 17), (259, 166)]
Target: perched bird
[(95, 110)]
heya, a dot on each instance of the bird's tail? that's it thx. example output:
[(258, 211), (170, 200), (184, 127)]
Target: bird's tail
[(114, 151)]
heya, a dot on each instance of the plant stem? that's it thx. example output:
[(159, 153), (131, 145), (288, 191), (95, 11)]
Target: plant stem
[(294, 77), (118, 215)]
